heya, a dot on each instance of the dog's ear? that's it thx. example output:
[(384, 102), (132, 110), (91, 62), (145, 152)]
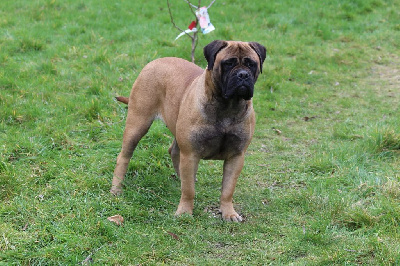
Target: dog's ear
[(211, 51), (261, 52)]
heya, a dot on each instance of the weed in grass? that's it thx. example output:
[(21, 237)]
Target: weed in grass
[(384, 140), (322, 164), (358, 218), (47, 68), (30, 45)]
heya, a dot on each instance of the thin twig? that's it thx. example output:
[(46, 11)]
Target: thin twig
[(172, 19), (173, 23), (191, 4), (195, 39), (209, 4), (89, 259), (197, 7), (193, 8)]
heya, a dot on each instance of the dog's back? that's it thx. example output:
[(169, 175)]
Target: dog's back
[(165, 69)]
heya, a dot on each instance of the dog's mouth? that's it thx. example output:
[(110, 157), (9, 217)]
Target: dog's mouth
[(240, 91), (244, 92)]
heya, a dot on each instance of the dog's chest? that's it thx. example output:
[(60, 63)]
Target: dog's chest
[(219, 141)]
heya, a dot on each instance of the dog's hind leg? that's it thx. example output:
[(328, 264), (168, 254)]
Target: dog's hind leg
[(137, 125), (174, 152)]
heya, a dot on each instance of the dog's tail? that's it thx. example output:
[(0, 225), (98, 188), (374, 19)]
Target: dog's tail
[(122, 99)]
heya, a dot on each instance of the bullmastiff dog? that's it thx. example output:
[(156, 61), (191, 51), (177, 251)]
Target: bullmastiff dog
[(209, 112)]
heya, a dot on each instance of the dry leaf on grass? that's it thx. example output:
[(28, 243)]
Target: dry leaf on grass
[(25, 227), (277, 131), (308, 118), (173, 235), (118, 219)]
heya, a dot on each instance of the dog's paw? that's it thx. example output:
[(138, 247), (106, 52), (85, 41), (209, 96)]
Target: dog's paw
[(232, 217), (116, 191), (184, 209), (183, 212)]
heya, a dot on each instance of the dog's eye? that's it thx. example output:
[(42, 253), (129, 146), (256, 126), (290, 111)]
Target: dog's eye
[(230, 63), (250, 64)]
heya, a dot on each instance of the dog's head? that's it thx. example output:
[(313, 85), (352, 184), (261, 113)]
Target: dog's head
[(235, 67)]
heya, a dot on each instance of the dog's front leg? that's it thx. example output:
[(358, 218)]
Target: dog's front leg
[(188, 165), (232, 168)]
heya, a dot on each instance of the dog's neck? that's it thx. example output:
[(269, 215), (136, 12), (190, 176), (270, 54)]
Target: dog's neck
[(211, 90)]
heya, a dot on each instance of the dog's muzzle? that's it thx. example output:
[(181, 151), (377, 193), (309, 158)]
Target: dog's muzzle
[(240, 85)]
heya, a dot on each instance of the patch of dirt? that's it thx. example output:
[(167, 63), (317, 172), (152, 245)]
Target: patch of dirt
[(386, 77)]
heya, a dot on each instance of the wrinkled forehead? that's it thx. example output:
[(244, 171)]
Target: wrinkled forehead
[(238, 49)]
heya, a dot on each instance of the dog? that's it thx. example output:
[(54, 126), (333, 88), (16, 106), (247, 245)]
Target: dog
[(209, 112)]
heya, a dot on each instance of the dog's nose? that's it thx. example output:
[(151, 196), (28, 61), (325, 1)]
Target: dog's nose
[(243, 75)]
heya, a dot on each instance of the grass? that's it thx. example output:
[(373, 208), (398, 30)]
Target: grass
[(321, 181)]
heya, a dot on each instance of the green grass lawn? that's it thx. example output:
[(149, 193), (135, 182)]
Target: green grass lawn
[(321, 183)]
